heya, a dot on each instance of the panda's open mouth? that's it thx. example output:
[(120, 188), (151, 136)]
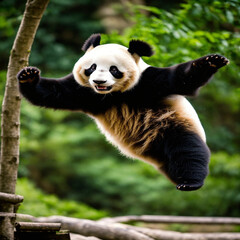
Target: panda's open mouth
[(103, 88)]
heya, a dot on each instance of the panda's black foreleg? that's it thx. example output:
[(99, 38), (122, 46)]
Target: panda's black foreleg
[(190, 76), (186, 160), (62, 93)]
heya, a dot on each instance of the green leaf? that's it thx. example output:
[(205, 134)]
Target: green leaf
[(229, 16)]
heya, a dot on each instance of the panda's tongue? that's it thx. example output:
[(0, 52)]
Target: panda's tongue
[(102, 87)]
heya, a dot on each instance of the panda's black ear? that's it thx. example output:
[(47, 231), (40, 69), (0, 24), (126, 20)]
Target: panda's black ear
[(140, 48), (93, 40)]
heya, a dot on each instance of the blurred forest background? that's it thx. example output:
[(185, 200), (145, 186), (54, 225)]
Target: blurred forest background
[(67, 167)]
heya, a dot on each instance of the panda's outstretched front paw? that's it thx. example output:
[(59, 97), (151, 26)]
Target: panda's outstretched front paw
[(213, 61), (28, 75)]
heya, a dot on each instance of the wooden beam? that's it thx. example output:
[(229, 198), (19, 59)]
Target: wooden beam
[(46, 227), (173, 219), (7, 215), (42, 235), (10, 198), (108, 230)]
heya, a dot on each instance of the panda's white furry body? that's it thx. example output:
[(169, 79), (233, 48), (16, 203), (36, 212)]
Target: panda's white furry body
[(141, 109), (110, 123), (118, 131)]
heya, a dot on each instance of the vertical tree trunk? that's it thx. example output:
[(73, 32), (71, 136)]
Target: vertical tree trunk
[(11, 106)]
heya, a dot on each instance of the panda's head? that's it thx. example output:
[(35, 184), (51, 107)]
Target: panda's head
[(111, 67)]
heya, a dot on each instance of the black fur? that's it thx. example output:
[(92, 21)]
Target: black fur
[(90, 70), (181, 152), (94, 40), (115, 72), (140, 48), (184, 155), (64, 93)]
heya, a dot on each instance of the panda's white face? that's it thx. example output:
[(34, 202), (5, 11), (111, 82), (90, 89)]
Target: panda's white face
[(107, 68)]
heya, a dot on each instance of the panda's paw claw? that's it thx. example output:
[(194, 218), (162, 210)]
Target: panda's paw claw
[(213, 61), (28, 75), (188, 186)]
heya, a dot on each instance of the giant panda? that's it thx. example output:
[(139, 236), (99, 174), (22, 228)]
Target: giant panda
[(141, 109)]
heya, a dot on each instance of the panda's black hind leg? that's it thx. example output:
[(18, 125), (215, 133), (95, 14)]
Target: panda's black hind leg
[(186, 160)]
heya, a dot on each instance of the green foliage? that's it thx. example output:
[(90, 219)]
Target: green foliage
[(64, 153), (9, 21), (131, 190), (64, 27), (105, 180), (63, 30), (197, 29), (39, 204), (137, 188)]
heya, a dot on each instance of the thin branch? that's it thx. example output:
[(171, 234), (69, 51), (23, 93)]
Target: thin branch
[(10, 117), (11, 104)]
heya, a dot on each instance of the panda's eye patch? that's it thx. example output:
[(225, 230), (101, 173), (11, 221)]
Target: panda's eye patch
[(90, 70), (115, 72)]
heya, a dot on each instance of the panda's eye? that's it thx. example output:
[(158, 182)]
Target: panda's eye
[(90, 70), (115, 72)]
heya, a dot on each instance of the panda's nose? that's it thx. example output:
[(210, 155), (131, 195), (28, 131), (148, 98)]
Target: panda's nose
[(99, 81)]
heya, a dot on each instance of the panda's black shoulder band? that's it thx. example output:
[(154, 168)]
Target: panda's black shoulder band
[(93, 40), (140, 48)]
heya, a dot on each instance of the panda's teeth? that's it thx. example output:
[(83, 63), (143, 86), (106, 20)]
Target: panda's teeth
[(101, 88)]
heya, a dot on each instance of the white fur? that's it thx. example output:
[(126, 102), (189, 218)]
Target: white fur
[(102, 73), (182, 106), (179, 104), (124, 149), (105, 56)]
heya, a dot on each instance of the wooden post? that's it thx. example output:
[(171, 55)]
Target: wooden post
[(11, 108), (8, 201)]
